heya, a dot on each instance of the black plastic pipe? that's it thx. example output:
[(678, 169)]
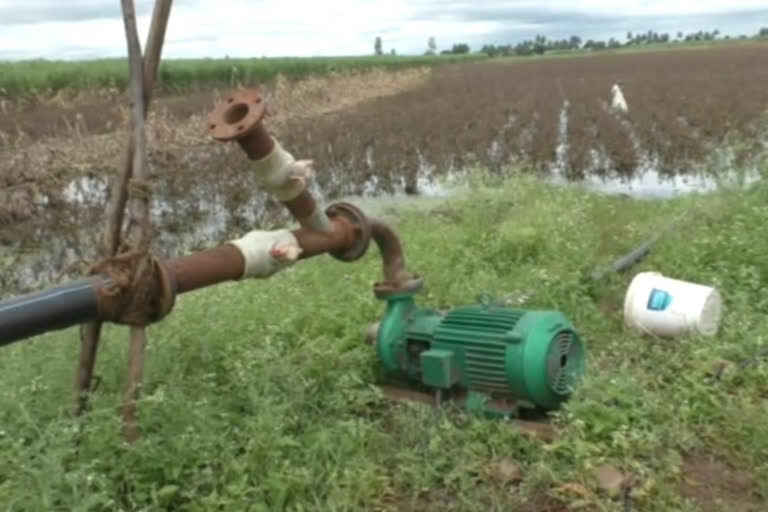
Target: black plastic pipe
[(56, 308), (625, 262)]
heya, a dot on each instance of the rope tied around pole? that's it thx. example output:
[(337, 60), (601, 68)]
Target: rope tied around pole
[(140, 290), (139, 189)]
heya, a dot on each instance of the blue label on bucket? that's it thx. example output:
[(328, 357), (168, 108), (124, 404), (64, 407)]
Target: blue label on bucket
[(659, 300)]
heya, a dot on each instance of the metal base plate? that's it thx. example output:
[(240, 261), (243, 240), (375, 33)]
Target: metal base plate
[(541, 430)]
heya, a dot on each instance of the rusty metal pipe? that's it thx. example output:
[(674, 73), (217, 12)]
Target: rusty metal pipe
[(257, 144), (396, 278), (392, 258), (78, 302), (226, 263), (241, 118), (347, 242), (206, 268), (304, 209), (313, 243), (245, 112)]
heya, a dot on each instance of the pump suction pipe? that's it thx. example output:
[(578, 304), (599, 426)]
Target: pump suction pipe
[(341, 230)]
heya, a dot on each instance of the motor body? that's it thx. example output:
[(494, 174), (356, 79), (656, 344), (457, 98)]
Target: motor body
[(493, 358)]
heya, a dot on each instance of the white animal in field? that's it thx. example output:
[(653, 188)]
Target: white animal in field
[(618, 103)]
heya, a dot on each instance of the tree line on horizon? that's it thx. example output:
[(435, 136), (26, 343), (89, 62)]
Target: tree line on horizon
[(541, 44)]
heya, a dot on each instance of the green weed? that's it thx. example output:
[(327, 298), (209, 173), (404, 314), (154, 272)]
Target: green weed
[(260, 395)]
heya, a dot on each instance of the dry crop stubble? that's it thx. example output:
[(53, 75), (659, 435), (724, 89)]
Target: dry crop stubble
[(49, 145)]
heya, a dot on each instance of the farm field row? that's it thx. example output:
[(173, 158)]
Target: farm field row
[(43, 77)]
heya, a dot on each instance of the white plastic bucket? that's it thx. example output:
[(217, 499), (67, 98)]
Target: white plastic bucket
[(669, 308)]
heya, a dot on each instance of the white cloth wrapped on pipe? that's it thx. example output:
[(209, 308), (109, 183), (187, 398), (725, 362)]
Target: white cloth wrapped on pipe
[(267, 252), (281, 174)]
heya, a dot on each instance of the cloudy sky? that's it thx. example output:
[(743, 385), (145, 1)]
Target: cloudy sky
[(78, 29)]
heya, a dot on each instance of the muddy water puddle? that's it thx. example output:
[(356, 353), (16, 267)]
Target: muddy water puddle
[(653, 185), (204, 217)]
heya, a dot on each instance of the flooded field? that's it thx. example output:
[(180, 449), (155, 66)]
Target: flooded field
[(207, 220), (382, 140)]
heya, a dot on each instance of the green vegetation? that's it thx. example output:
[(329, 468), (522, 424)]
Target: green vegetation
[(649, 40), (629, 50), (260, 395), (44, 77)]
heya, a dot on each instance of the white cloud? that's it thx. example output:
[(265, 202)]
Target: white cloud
[(199, 28)]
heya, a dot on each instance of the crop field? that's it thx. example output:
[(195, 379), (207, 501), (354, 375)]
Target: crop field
[(42, 77), (261, 395), (385, 131), (682, 107)]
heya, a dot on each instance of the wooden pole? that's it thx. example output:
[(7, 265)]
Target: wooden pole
[(120, 187), (90, 334), (133, 385), (139, 229)]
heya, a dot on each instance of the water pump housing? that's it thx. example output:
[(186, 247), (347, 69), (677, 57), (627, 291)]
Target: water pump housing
[(496, 358)]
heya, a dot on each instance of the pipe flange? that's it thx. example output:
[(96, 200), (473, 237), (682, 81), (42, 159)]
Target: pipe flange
[(238, 116), (413, 285), (361, 227)]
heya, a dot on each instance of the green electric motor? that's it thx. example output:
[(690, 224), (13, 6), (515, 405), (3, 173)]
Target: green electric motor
[(494, 359)]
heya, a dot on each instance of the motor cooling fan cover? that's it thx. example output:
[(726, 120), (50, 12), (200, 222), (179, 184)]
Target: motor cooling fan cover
[(546, 363)]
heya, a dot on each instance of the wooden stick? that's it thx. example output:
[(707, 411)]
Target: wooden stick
[(138, 206), (135, 379), (90, 333), (154, 49), (89, 344), (116, 208), (139, 229)]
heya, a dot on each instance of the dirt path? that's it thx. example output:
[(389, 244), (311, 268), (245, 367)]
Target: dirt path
[(714, 486)]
